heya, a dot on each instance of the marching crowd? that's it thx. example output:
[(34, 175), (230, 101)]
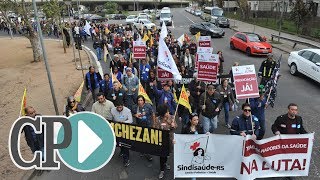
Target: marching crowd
[(116, 94)]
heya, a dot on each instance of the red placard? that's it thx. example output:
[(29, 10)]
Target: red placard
[(164, 75), (208, 67), (139, 50), (205, 41), (245, 80)]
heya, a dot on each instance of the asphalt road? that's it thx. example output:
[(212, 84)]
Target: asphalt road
[(299, 89)]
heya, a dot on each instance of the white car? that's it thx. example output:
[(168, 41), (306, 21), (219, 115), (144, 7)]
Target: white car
[(130, 19), (197, 12), (143, 23), (144, 14), (305, 61)]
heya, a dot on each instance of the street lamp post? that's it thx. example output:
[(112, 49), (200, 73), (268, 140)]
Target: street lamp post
[(45, 57)]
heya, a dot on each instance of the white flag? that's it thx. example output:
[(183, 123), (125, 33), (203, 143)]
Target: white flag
[(165, 60), (87, 28), (180, 40), (164, 31)]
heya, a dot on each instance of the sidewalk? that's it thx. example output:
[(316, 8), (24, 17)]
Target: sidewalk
[(283, 45)]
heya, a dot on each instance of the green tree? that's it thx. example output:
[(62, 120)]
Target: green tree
[(300, 14), (22, 9), (111, 7), (244, 8), (52, 9)]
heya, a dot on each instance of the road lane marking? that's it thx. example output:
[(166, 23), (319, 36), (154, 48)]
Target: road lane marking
[(188, 18)]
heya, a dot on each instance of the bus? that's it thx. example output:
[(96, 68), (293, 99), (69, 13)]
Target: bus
[(214, 12)]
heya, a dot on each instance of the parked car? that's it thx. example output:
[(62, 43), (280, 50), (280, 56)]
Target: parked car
[(305, 61), (207, 29), (144, 14), (192, 11), (120, 16), (146, 11), (251, 43), (143, 22), (197, 12), (130, 19), (222, 22)]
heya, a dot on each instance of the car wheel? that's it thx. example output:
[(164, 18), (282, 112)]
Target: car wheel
[(232, 46), (248, 52), (293, 69)]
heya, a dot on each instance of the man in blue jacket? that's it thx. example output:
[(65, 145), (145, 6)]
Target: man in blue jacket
[(92, 82), (165, 96), (246, 123), (258, 106)]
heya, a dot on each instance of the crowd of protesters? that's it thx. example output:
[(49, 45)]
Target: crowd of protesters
[(116, 98)]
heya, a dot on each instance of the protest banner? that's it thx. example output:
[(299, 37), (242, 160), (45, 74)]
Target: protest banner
[(164, 75), (205, 41), (139, 50), (202, 50), (227, 156), (207, 67), (245, 81), (142, 139)]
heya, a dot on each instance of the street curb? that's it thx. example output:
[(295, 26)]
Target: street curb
[(273, 46)]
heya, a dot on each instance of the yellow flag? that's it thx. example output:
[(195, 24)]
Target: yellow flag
[(107, 31), (23, 103), (143, 93), (151, 41), (77, 95), (114, 79), (184, 99), (105, 53), (197, 36), (145, 38), (149, 33)]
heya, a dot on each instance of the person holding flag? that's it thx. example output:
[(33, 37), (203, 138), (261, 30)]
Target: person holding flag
[(165, 96)]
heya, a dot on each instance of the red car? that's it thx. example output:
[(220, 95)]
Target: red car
[(251, 43)]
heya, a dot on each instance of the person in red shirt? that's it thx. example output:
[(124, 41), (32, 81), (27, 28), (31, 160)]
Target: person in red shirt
[(289, 123)]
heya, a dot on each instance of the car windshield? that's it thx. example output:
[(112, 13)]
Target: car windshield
[(254, 38), (209, 25), (198, 11), (217, 12), (143, 17), (146, 21), (165, 15), (131, 17)]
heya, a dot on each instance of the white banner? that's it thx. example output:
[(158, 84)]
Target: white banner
[(242, 158), (165, 60)]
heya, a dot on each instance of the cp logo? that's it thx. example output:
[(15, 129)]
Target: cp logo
[(86, 142)]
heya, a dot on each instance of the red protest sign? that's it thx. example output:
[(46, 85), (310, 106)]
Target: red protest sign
[(164, 75), (245, 81), (205, 41), (208, 67), (139, 50)]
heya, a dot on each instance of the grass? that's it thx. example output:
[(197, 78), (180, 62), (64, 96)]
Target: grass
[(272, 23)]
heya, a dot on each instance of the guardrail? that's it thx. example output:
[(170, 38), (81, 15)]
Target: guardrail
[(294, 41)]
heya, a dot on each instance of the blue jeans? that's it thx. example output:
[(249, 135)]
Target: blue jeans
[(209, 124), (226, 107), (99, 53)]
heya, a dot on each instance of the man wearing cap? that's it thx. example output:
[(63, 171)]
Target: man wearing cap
[(165, 96), (210, 103), (258, 106), (130, 84), (266, 69)]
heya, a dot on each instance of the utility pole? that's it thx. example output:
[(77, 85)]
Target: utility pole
[(45, 57), (69, 3)]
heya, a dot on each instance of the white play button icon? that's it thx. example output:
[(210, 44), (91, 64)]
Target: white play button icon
[(88, 141)]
